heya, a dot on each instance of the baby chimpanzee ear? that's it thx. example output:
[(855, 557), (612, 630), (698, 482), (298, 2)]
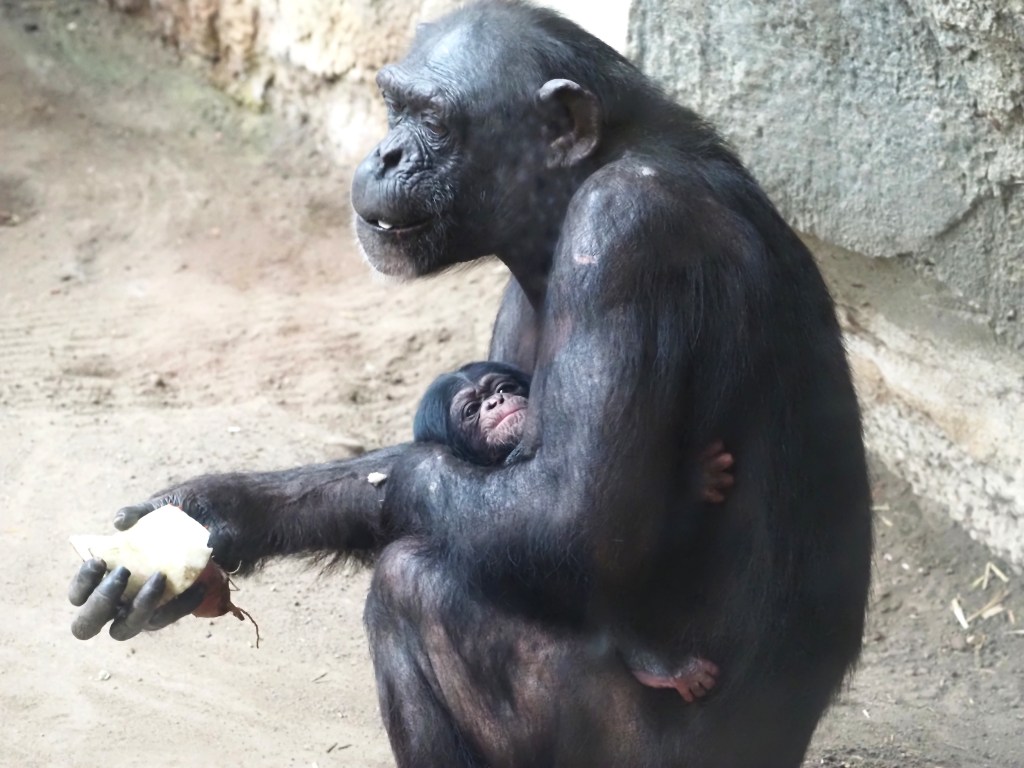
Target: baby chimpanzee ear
[(431, 423)]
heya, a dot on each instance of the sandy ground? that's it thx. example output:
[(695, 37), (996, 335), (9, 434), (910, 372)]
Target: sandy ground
[(179, 293)]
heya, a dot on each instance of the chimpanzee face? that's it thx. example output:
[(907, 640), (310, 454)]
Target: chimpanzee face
[(443, 183), (478, 155), (490, 415)]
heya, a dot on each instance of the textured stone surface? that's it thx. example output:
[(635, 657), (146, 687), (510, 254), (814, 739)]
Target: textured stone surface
[(315, 60), (943, 402), (312, 60), (894, 129)]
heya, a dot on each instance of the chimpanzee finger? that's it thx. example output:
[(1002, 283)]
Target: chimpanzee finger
[(101, 606), (722, 482), (126, 517), (716, 447), (134, 620), (179, 607), (704, 681), (86, 580), (220, 542), (721, 462)]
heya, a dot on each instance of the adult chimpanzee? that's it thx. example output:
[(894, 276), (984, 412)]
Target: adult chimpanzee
[(660, 303)]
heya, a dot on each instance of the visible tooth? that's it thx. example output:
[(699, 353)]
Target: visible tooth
[(384, 225)]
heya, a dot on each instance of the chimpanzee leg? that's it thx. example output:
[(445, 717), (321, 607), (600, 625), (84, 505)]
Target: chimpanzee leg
[(692, 680), (461, 683), (419, 723), (464, 683)]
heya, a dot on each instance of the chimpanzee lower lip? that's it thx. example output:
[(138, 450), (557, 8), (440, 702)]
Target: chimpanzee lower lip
[(508, 416)]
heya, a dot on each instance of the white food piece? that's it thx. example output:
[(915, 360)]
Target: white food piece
[(165, 541), (376, 478)]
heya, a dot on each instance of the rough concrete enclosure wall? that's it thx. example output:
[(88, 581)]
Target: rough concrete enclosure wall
[(894, 129), (890, 128), (313, 60)]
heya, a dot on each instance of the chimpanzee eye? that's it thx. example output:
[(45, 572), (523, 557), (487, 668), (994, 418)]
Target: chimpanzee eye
[(434, 125), (394, 109), (470, 409)]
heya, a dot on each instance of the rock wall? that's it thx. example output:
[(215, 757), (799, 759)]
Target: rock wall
[(943, 401), (314, 61), (895, 129), (311, 60)]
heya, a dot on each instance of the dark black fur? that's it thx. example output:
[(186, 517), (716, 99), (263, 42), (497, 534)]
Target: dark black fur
[(660, 303)]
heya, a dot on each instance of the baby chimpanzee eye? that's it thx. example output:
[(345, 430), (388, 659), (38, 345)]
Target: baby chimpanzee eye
[(507, 387), (469, 410)]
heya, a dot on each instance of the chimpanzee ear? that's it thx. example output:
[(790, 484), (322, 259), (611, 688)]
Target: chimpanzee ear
[(572, 117)]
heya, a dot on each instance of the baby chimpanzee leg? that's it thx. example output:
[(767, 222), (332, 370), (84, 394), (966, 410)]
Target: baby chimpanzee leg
[(695, 678)]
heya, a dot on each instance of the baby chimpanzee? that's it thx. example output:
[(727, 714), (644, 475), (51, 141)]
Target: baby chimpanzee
[(479, 411)]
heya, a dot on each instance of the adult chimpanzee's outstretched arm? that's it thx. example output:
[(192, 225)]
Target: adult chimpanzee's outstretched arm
[(330, 509), (321, 508)]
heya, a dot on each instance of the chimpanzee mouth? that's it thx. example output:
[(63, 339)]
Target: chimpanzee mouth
[(391, 227), (517, 413)]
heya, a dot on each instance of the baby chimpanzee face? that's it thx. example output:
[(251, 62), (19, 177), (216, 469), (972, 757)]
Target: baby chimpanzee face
[(490, 415)]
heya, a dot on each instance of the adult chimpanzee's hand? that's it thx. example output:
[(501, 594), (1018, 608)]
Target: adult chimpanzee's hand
[(100, 595), (331, 508), (204, 499)]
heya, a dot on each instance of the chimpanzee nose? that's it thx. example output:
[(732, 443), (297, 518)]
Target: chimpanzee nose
[(390, 157), (494, 401)]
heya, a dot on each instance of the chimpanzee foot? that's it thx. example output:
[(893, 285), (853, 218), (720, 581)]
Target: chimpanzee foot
[(696, 677)]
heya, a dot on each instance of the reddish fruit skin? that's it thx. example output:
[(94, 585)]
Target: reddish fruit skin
[(217, 600)]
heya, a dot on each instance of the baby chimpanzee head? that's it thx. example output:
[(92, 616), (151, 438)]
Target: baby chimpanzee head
[(478, 411)]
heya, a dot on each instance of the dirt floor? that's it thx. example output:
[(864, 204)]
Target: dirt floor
[(179, 292)]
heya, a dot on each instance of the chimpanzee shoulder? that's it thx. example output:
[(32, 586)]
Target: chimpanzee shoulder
[(653, 211)]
